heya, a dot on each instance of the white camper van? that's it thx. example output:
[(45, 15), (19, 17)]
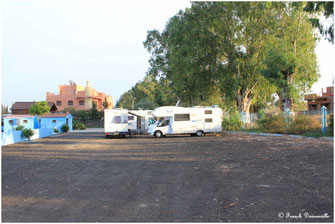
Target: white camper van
[(138, 120), (116, 122), (125, 122), (183, 120)]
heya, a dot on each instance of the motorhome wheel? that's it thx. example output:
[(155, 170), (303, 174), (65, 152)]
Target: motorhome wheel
[(199, 133), (158, 134)]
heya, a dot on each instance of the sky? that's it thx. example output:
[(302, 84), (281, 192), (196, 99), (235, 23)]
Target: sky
[(47, 43)]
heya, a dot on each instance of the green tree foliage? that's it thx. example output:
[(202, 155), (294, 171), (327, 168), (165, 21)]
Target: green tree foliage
[(94, 113), (4, 109), (233, 54), (65, 128), (105, 104), (19, 128), (39, 109), (213, 52), (28, 133), (148, 94), (327, 9), (290, 62), (145, 104)]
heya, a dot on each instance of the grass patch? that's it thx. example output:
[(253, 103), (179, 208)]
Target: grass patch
[(251, 130), (317, 134)]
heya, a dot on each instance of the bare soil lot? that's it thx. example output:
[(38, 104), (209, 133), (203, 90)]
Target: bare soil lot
[(84, 177)]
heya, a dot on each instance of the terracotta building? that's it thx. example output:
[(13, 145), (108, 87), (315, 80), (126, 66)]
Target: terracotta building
[(23, 107), (315, 102), (79, 97)]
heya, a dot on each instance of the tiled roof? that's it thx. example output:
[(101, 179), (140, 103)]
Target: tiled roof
[(55, 115), (26, 105), (20, 116)]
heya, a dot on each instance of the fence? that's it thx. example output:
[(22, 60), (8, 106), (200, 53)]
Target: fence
[(251, 120), (91, 123)]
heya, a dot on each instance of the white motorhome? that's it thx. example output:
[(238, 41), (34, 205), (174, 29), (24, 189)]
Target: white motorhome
[(125, 122), (138, 120), (183, 120), (116, 122)]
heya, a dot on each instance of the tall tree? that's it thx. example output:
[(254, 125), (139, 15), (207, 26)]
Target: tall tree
[(213, 49), (242, 40), (290, 61)]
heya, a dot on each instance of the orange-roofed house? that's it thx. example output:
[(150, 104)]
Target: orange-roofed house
[(79, 97)]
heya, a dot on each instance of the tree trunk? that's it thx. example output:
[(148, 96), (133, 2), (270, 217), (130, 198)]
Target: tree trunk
[(244, 99), (286, 102)]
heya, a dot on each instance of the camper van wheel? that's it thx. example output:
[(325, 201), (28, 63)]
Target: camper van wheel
[(199, 133), (158, 134)]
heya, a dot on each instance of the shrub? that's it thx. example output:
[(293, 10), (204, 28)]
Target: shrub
[(82, 127), (273, 124), (330, 127), (303, 124), (65, 128), (56, 130), (78, 126), (75, 126), (19, 128), (233, 123), (27, 133)]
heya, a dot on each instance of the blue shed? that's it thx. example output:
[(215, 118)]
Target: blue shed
[(56, 120), (26, 120)]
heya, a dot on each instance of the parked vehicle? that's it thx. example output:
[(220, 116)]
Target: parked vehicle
[(116, 122), (182, 120), (124, 122), (138, 120)]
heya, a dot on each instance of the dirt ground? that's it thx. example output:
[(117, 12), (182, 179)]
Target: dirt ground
[(84, 177)]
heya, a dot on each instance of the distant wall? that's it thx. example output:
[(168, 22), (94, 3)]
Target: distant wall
[(11, 136)]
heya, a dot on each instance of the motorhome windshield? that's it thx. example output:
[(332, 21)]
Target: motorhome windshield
[(152, 121)]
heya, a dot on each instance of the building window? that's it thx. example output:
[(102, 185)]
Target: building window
[(208, 111), (53, 121), (182, 117), (19, 111), (208, 120), (11, 122), (25, 121), (70, 102), (59, 103), (18, 121), (81, 102)]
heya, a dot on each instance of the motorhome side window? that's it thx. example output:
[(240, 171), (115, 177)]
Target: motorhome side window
[(117, 119), (182, 117), (164, 123), (208, 120), (130, 118), (208, 111)]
